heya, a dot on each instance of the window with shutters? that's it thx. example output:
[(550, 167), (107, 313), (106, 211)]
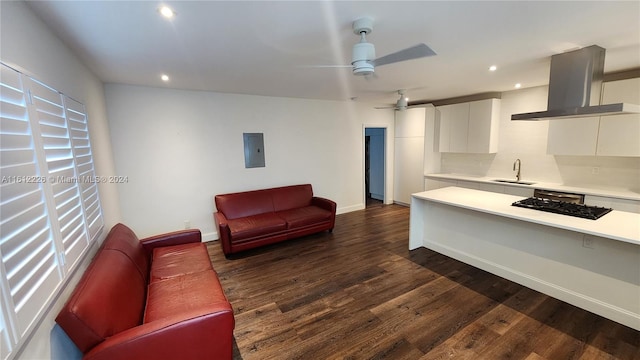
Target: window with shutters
[(49, 205)]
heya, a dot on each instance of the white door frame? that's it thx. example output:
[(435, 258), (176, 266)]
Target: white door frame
[(388, 165)]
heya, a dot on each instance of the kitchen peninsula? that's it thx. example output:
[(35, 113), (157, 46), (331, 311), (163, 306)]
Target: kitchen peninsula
[(593, 264)]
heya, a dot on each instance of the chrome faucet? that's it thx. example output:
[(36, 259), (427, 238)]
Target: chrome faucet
[(516, 166)]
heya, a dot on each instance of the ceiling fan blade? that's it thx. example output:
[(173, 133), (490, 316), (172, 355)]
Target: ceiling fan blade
[(324, 66), (414, 52)]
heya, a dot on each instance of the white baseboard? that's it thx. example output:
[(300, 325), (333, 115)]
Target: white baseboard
[(351, 208), (212, 236)]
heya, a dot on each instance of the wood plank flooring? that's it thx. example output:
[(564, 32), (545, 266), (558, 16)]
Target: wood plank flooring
[(359, 293)]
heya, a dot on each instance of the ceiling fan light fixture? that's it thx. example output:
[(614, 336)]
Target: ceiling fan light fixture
[(362, 55), (363, 51), (362, 67), (402, 103)]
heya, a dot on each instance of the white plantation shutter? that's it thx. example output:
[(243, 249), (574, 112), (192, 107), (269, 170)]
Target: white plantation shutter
[(77, 120), (5, 340), (44, 227), (31, 271), (60, 169)]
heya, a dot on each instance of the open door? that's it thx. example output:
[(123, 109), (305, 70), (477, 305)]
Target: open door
[(374, 168)]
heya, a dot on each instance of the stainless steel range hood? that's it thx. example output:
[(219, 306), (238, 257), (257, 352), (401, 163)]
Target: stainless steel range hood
[(575, 82)]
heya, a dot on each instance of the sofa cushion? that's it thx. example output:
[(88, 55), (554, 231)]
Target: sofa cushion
[(304, 216), (182, 294), (256, 225), (243, 204), (291, 197), (179, 260), (108, 299), (123, 239)]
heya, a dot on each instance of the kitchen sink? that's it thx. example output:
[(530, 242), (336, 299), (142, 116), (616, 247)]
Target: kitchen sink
[(514, 182)]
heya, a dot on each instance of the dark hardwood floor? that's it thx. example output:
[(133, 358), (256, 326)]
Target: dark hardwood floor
[(359, 293)]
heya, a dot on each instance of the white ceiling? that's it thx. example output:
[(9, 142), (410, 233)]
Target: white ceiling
[(264, 47)]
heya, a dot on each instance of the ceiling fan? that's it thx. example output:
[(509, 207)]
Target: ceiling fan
[(363, 55), (400, 105)]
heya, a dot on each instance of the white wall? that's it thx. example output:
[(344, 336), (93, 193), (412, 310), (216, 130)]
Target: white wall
[(28, 45), (180, 148), (527, 140)]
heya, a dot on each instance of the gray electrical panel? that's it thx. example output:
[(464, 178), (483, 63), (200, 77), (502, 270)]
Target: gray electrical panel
[(253, 150)]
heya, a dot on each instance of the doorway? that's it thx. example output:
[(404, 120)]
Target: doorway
[(374, 166)]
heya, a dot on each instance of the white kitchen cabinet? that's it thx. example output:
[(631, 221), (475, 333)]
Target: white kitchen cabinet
[(619, 135), (616, 204), (444, 127), (408, 154), (613, 135), (518, 191), (496, 188), (432, 184), (470, 127), (484, 186), (484, 120), (454, 127), (459, 128), (467, 184)]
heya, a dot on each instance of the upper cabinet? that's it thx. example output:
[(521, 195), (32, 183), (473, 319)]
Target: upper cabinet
[(454, 127), (470, 127), (484, 120), (614, 135), (619, 135)]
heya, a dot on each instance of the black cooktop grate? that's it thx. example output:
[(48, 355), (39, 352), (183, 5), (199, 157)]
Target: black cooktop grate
[(564, 208)]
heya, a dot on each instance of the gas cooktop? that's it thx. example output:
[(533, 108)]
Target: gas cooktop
[(564, 208)]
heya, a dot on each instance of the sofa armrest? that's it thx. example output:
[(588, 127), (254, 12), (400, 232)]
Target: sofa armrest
[(324, 203), (224, 233), (205, 333), (170, 239)]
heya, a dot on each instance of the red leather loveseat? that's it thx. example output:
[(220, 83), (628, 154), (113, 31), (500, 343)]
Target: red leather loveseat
[(250, 219), (157, 298)]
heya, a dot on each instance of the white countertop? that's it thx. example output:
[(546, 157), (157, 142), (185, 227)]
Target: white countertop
[(613, 193), (617, 225)]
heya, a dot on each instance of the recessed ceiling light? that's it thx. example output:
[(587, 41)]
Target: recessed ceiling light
[(164, 77), (493, 68), (518, 86), (167, 12)]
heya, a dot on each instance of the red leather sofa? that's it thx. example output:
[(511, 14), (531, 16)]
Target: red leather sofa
[(255, 218), (155, 298)]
